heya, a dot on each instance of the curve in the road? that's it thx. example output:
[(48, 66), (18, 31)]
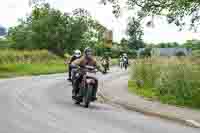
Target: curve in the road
[(43, 104)]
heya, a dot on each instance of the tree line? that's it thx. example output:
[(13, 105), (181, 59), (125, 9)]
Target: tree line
[(48, 28)]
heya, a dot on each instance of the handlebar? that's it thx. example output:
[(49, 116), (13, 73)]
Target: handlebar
[(84, 68)]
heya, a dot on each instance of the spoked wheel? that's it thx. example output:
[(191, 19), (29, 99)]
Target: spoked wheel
[(87, 97)]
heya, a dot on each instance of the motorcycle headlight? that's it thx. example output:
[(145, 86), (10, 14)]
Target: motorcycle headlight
[(77, 74)]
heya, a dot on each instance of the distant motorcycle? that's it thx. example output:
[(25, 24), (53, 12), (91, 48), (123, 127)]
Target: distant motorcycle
[(87, 86), (105, 66), (121, 63), (125, 63)]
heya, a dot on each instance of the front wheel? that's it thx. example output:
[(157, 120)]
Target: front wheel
[(105, 70), (126, 66), (88, 96)]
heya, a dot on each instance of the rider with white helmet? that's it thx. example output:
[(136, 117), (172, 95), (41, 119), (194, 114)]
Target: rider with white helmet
[(76, 55)]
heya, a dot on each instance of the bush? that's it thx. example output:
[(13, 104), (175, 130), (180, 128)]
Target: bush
[(196, 53), (180, 53), (4, 43), (175, 80), (146, 53)]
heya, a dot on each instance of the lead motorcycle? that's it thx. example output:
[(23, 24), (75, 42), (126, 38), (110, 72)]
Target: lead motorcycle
[(87, 87)]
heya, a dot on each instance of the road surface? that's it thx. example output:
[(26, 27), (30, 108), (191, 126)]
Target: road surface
[(42, 104)]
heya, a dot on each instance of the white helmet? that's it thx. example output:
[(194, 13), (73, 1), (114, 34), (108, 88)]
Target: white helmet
[(77, 53), (125, 55)]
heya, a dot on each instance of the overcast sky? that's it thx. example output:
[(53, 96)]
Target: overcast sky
[(11, 10)]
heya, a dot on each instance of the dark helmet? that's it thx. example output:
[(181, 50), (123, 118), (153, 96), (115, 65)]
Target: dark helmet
[(88, 52)]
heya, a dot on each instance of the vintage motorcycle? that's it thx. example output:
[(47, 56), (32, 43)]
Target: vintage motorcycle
[(87, 86), (105, 66)]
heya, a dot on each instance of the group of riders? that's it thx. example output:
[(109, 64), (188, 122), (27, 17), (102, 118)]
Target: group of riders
[(81, 65)]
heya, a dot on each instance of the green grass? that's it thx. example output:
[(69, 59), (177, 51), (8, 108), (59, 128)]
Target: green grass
[(152, 94), (35, 62), (8, 56), (148, 93), (173, 81), (196, 53), (13, 70)]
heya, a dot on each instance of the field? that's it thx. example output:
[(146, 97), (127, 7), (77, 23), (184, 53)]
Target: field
[(19, 63), (170, 80), (22, 62)]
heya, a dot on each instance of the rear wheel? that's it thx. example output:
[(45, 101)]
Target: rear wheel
[(88, 95)]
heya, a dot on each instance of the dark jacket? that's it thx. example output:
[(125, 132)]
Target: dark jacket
[(73, 58)]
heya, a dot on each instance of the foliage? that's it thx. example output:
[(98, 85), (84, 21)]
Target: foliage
[(194, 44), (135, 33), (124, 44), (115, 5), (180, 53), (4, 43), (48, 28), (176, 11), (171, 80), (146, 52), (167, 45), (196, 53)]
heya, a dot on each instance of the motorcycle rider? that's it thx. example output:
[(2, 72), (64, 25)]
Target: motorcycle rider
[(106, 59), (125, 58), (77, 55), (121, 61), (86, 59)]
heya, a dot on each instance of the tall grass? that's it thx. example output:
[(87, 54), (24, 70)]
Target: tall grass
[(8, 56), (173, 80), (18, 63)]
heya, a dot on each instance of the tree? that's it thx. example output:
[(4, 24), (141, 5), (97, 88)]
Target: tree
[(124, 44), (115, 5), (193, 44), (180, 53), (146, 52), (48, 28), (176, 11), (135, 33), (168, 45), (45, 28)]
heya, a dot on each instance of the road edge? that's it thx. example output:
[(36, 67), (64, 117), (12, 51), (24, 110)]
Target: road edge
[(125, 105)]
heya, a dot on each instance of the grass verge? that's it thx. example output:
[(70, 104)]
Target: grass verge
[(14, 70), (149, 93), (173, 80)]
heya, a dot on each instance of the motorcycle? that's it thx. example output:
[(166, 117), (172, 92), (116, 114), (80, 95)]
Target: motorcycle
[(87, 86), (74, 73), (105, 66), (125, 63), (121, 63)]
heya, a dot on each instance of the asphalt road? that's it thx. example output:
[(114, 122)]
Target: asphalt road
[(42, 104)]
